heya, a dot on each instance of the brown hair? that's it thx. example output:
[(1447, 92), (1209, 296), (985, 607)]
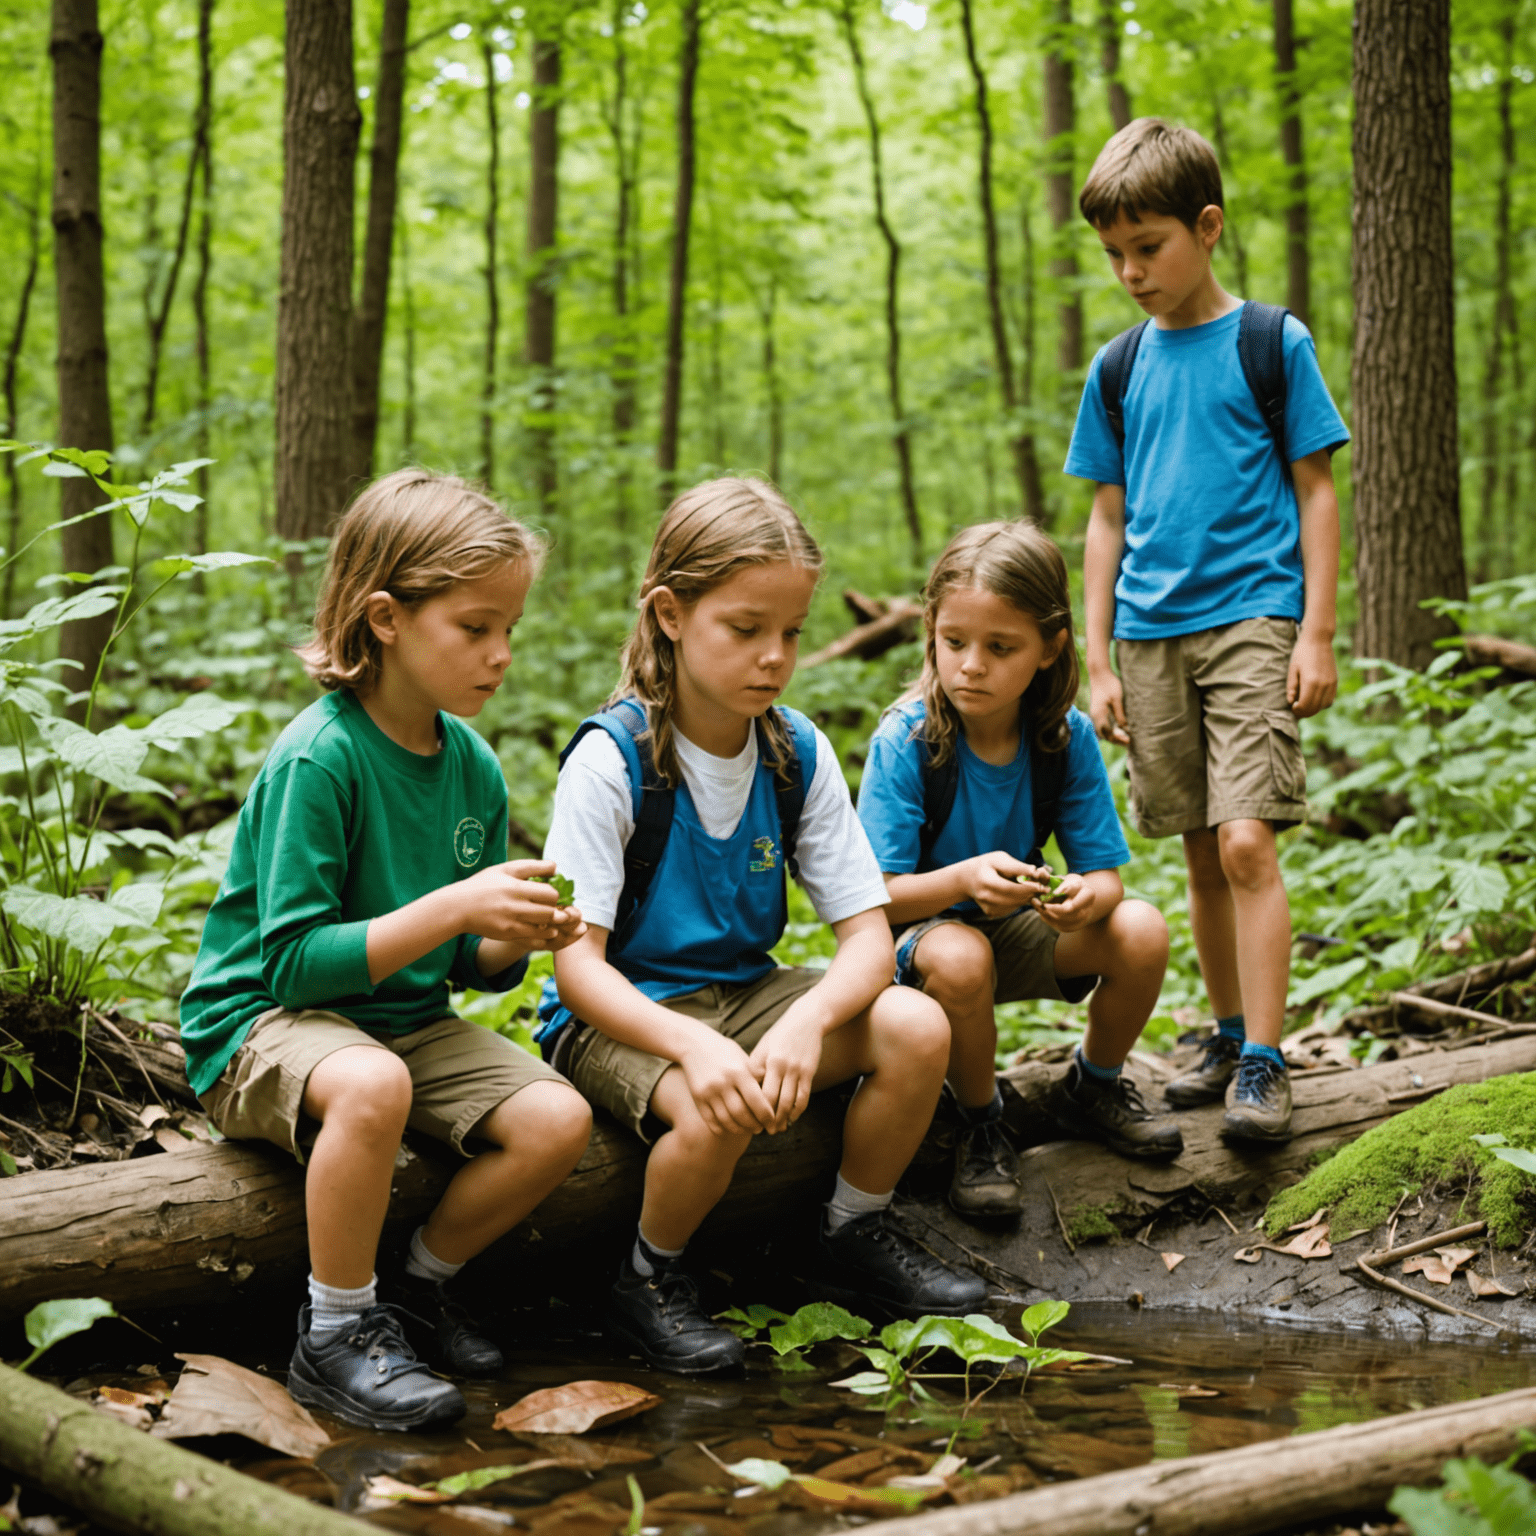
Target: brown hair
[(412, 534), (706, 536), (1021, 565), (1151, 167)]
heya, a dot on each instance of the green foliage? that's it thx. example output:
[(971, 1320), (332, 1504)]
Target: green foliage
[(564, 889), (814, 1324), (1474, 1500), (50, 1322)]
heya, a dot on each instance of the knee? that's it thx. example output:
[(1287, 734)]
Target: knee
[(1202, 857), (1140, 937), (957, 967), (701, 1144), (1248, 858), (550, 1121), (911, 1031), (371, 1098)]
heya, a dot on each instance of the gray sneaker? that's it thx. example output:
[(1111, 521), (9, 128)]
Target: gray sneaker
[(1207, 1082), (1258, 1102), (986, 1181)]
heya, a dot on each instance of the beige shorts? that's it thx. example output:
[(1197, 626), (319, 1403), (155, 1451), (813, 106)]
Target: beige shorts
[(1212, 737), (459, 1072), (1023, 957), (621, 1079)]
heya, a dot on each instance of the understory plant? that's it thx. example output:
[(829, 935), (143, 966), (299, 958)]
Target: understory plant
[(1474, 1499)]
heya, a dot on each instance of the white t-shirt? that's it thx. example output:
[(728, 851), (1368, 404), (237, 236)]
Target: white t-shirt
[(593, 820)]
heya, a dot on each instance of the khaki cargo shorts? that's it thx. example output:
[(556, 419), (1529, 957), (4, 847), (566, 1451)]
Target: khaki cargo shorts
[(1212, 737), (621, 1079), (459, 1072), (1023, 956)]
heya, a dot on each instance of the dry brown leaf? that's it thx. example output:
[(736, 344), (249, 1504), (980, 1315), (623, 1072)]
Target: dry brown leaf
[(1311, 1243), (390, 1490), (1313, 1220), (122, 1396), (1190, 1391), (1454, 1258), (217, 1397), (1173, 1260), (1428, 1265), (1482, 1287), (172, 1140), (1248, 1255), (575, 1408)]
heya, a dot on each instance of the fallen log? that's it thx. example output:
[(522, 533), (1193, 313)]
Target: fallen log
[(126, 1481), (1270, 1486), (897, 624), (1496, 651), (201, 1223), (1475, 981)]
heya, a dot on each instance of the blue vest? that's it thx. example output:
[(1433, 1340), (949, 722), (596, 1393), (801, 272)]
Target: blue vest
[(714, 907)]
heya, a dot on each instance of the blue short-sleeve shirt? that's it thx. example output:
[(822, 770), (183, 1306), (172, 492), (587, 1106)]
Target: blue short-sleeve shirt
[(1212, 529), (994, 806)]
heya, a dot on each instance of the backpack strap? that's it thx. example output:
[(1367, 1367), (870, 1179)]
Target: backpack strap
[(790, 798), (1261, 351), (939, 786), (1115, 374), (1047, 780)]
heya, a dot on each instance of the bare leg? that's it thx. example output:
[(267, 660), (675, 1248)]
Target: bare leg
[(1129, 950), (1262, 925), (362, 1096), (955, 964), (1212, 920), (538, 1136), (689, 1168)]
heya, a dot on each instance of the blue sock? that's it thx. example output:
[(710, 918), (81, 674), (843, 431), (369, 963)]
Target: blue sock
[(1253, 1048), (1233, 1027), (1103, 1074)]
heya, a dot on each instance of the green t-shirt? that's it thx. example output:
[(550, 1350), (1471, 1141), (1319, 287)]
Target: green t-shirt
[(342, 825)]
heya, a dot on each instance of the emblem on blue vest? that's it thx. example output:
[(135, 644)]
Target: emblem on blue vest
[(765, 855)]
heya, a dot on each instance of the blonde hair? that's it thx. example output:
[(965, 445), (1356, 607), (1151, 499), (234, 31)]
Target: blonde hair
[(1018, 563), (706, 536), (412, 534), (1151, 166)]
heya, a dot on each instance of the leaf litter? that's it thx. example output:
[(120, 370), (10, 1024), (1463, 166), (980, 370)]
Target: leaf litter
[(217, 1397), (575, 1408)]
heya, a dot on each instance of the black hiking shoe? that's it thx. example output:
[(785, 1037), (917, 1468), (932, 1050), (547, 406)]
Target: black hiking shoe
[(1114, 1112), (869, 1264), (986, 1181), (461, 1346), (368, 1375), (1258, 1102), (658, 1316), (1207, 1082)]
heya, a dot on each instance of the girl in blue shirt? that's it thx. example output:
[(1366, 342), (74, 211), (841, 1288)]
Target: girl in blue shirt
[(976, 918)]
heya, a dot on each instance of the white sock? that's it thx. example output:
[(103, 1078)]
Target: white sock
[(332, 1308), (425, 1264), (646, 1251), (848, 1202)]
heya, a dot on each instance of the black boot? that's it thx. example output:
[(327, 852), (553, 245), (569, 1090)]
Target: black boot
[(986, 1178), (1114, 1112), (869, 1264), (368, 1375), (461, 1347), (658, 1316)]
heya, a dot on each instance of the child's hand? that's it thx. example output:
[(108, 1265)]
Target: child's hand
[(1313, 678), (1073, 907), (785, 1062), (724, 1087), (1106, 703), (992, 881), (506, 903)]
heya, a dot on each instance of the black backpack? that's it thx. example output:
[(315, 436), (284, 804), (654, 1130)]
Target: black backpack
[(1047, 779), (1260, 349)]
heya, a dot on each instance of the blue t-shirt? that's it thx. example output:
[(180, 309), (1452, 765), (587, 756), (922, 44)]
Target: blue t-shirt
[(994, 806), (1212, 530)]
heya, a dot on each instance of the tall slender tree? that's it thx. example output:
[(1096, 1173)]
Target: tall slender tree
[(321, 122), (901, 433), (204, 267), (492, 269), (85, 404), (1118, 97), (773, 387), (33, 210), (1403, 374), (371, 314), (543, 263), (682, 222), (1231, 233), (1298, 257), (1021, 440), (1060, 135)]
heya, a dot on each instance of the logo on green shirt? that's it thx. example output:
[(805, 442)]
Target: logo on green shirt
[(766, 856), (468, 842)]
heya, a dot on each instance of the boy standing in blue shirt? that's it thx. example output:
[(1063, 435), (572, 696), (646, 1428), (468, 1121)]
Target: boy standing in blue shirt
[(1212, 560)]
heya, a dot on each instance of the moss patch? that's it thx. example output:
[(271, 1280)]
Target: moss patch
[(1431, 1142), (1090, 1221)]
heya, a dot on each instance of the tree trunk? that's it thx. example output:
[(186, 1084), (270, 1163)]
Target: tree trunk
[(1060, 133), (543, 273), (371, 317), (901, 434), (1021, 441), (622, 364), (12, 362), (321, 123), (408, 300), (492, 283), (677, 293), (1230, 231), (204, 265), (1109, 59), (1298, 272), (85, 405), (1403, 375)]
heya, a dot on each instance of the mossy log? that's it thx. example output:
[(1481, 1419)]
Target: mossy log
[(126, 1481), (1271, 1486), (191, 1226)]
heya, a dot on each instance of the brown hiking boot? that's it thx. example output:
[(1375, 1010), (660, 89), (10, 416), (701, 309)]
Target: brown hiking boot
[(1258, 1102), (986, 1181), (1207, 1082), (1114, 1112)]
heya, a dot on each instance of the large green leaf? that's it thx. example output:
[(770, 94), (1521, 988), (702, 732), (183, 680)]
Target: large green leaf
[(80, 921), (50, 1321), (1329, 979), (54, 611), (197, 716), (215, 560), (1480, 887), (813, 1324), (139, 903), (113, 756)]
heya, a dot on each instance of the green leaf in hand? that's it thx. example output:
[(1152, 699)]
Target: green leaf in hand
[(565, 889)]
